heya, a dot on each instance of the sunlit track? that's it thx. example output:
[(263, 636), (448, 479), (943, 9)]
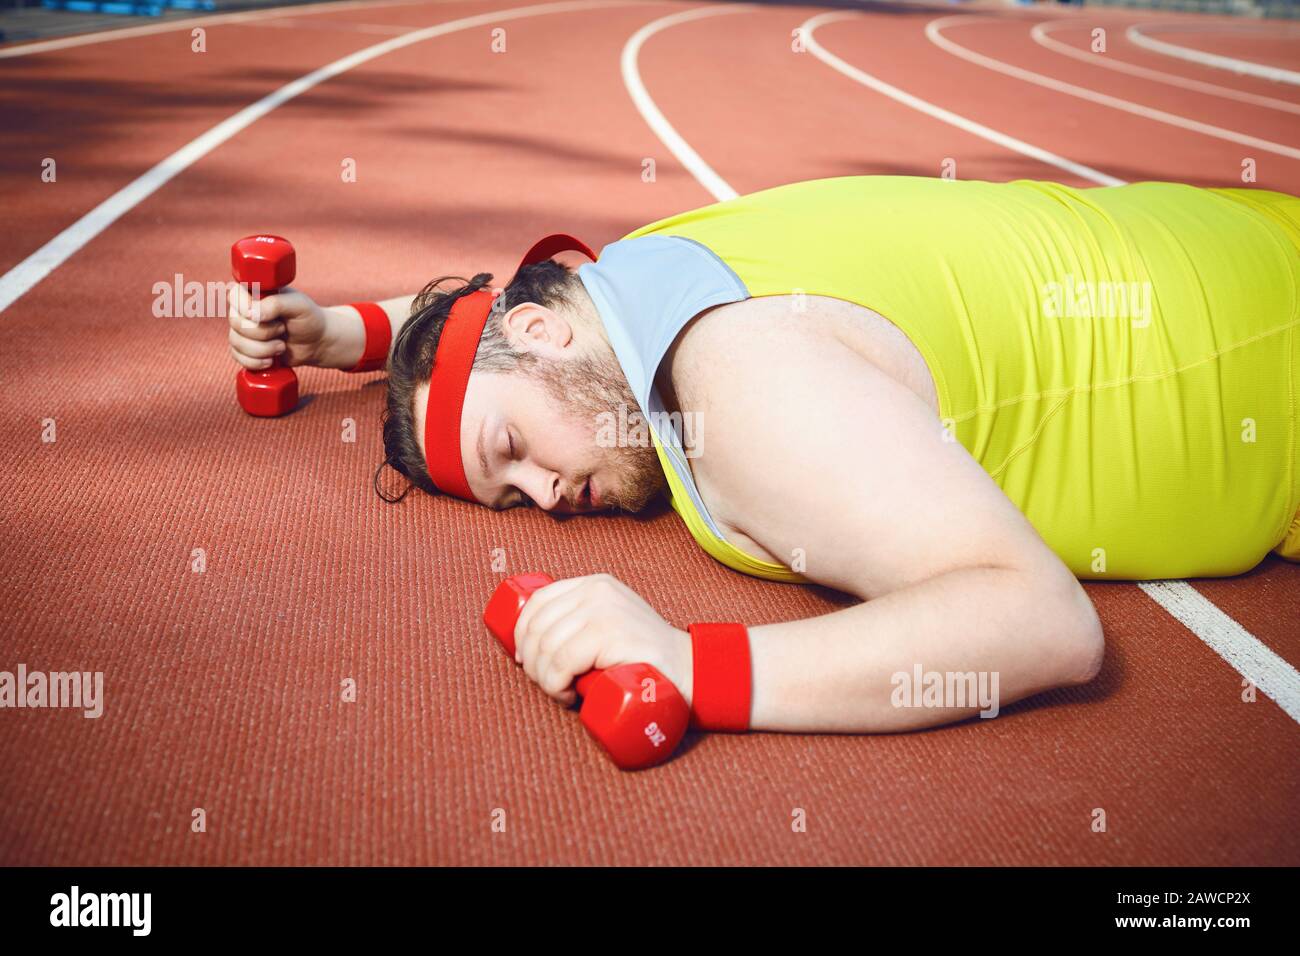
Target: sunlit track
[(465, 155), (934, 31), (695, 164), (249, 16), (808, 29), (18, 280), (1040, 34), (1248, 655), (1135, 36)]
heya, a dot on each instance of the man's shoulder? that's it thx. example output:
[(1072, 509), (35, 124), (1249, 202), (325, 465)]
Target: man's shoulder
[(754, 323), (748, 341), (741, 342), (703, 363)]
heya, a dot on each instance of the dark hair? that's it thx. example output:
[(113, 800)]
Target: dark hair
[(545, 283)]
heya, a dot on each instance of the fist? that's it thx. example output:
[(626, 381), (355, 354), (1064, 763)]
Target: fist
[(593, 623), (287, 325)]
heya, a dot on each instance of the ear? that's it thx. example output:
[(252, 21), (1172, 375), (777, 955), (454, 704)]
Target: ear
[(530, 327)]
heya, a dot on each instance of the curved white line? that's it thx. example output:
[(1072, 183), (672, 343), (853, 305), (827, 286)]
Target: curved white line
[(933, 31), (1135, 36), (707, 177), (18, 280), (938, 112), (1040, 35), (107, 36)]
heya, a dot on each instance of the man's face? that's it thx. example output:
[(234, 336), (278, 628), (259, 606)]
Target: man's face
[(536, 437)]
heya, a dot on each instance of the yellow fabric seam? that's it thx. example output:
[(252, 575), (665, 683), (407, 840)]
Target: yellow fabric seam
[(1032, 438), (1075, 389)]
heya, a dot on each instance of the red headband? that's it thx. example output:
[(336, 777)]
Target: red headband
[(452, 363)]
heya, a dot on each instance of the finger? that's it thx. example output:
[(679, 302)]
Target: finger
[(267, 308), (573, 657), (238, 296), (252, 349), (542, 597), (240, 316), (541, 668), (284, 304), (548, 616), (555, 602), (263, 332), (241, 307), (250, 363)]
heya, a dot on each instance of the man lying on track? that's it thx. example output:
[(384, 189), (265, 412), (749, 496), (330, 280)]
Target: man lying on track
[(950, 399)]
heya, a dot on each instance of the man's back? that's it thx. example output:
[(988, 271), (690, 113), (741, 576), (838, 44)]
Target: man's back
[(1118, 360)]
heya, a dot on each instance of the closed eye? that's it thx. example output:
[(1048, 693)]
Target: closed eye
[(521, 499)]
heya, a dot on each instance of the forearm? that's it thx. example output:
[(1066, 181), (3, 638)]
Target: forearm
[(348, 333), (836, 673)]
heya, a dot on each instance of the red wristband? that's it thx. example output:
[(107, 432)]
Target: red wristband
[(722, 687), (379, 336)]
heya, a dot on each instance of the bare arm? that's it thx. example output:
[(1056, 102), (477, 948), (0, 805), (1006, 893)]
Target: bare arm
[(856, 670), (290, 327), (347, 334), (333, 337), (853, 469)]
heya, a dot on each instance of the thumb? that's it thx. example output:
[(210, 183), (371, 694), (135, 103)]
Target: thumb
[(284, 305)]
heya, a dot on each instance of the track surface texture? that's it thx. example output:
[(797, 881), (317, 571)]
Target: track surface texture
[(222, 686)]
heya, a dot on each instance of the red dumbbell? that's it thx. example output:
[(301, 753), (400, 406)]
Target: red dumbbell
[(269, 262), (636, 733)]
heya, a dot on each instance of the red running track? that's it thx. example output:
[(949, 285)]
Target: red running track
[(222, 686)]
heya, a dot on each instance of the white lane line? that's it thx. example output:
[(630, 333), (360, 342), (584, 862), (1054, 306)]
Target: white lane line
[(1135, 36), (18, 280), (937, 112), (934, 29), (654, 117), (1249, 656), (107, 36), (1107, 60)]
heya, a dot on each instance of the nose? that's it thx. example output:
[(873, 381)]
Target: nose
[(545, 488)]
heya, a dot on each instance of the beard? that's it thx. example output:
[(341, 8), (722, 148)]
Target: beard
[(591, 386)]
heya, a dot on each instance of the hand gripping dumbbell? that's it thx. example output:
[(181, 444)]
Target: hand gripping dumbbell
[(269, 262), (635, 732)]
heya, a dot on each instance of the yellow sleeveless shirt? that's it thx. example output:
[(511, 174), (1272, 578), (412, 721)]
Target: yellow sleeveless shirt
[(1121, 360)]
